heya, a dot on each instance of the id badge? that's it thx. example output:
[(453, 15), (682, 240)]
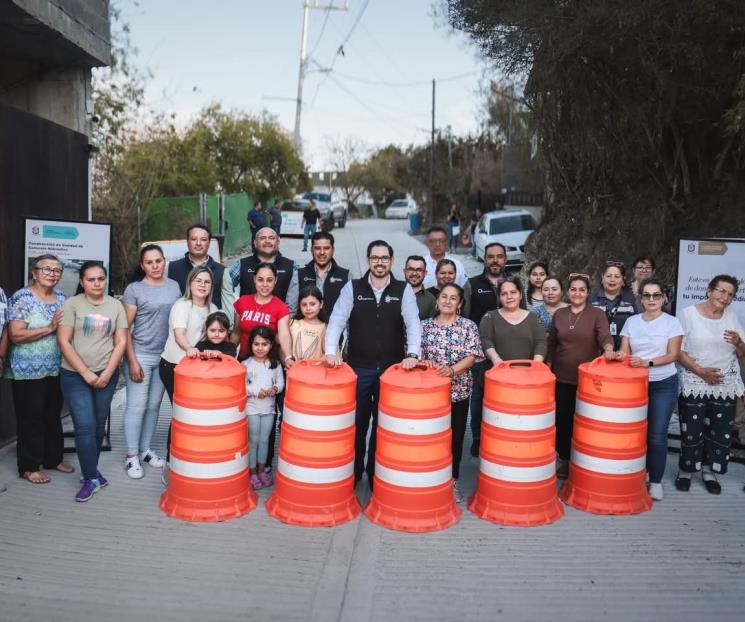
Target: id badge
[(613, 329)]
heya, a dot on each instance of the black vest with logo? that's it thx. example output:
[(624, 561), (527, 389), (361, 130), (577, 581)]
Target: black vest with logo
[(483, 297), (179, 271), (336, 278), (284, 266), (376, 331)]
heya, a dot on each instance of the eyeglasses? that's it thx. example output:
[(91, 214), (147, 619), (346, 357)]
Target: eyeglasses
[(415, 270), (49, 271), (723, 291), (202, 282), (614, 264), (642, 268), (376, 259), (654, 296), (581, 275)]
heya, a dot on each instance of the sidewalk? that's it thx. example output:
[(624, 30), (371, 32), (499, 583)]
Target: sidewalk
[(118, 557)]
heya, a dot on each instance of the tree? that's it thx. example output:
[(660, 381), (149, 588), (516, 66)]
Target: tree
[(638, 114), (346, 157)]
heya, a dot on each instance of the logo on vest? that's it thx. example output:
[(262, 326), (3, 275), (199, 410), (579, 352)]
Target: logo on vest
[(362, 298), (335, 279), (484, 291), (391, 299)]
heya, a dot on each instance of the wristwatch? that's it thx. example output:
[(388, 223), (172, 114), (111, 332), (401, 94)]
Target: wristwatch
[(411, 355), (650, 363)]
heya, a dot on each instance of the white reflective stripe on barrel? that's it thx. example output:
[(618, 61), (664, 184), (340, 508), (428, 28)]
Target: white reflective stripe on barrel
[(517, 474), (611, 414), (413, 427), (312, 475), (607, 466), (409, 479), (209, 470), (317, 423), (522, 423), (207, 417)]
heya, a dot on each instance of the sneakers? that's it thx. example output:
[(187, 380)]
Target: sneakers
[(655, 491), (133, 467), (456, 492), (256, 482), (153, 459), (89, 488), (102, 481), (266, 479)]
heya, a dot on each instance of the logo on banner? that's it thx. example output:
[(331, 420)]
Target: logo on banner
[(691, 248)]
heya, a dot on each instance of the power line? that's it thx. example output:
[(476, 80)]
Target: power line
[(346, 76), (323, 29)]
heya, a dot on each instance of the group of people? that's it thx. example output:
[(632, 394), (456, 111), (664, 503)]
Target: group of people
[(72, 348)]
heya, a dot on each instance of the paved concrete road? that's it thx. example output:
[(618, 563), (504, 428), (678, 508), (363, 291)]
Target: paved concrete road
[(118, 557)]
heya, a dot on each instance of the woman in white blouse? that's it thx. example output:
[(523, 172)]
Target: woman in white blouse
[(653, 338), (710, 383)]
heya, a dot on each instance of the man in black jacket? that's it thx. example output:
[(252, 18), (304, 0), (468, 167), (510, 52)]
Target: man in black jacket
[(198, 238), (384, 328), (322, 271), (266, 249)]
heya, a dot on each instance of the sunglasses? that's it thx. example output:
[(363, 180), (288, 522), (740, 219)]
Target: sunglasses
[(654, 296), (614, 264)]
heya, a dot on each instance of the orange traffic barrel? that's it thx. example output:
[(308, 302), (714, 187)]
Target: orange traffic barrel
[(609, 441), (413, 488), (315, 472), (208, 472), (516, 484)]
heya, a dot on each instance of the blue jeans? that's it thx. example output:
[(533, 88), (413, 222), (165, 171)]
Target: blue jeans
[(308, 231), (143, 404), (368, 392), (662, 397), (90, 408), (477, 399)]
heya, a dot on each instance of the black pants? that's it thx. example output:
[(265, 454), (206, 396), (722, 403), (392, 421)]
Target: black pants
[(566, 402), (38, 404), (366, 414), (458, 419), (705, 432), (165, 371)]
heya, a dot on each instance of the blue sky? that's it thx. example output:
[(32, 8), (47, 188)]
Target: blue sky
[(244, 53)]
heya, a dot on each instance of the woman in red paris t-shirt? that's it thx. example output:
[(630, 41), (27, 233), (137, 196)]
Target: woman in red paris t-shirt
[(262, 309)]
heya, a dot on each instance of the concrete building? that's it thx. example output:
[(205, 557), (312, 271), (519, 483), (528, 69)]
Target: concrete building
[(47, 51)]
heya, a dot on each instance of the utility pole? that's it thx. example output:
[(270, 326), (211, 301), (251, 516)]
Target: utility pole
[(307, 6), (431, 202)]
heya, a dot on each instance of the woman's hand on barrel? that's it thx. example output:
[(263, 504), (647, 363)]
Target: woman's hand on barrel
[(409, 362), (333, 360), (637, 361), (192, 353)]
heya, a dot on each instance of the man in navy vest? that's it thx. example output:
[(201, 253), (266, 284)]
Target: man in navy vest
[(266, 250), (383, 329), (198, 239), (323, 272), (480, 296)]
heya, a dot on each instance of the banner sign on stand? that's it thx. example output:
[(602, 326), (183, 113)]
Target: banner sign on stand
[(73, 242), (699, 260)]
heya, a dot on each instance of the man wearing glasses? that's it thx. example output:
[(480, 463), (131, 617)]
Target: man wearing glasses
[(415, 270), (384, 328), (437, 242)]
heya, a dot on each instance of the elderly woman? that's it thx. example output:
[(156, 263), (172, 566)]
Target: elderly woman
[(147, 301), (552, 292), (578, 334), (450, 344), (512, 332), (445, 273), (614, 299), (92, 337), (34, 313), (653, 339), (710, 383)]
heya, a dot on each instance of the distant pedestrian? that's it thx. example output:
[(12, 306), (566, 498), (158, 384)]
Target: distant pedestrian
[(275, 217), (453, 227), (257, 219), (311, 216), (93, 339)]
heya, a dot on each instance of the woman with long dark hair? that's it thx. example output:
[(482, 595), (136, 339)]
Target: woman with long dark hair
[(537, 274), (147, 301)]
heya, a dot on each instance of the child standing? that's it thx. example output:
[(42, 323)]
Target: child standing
[(264, 379), (308, 329), (216, 333)]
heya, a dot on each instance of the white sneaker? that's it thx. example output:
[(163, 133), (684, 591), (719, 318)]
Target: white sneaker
[(655, 491), (133, 467), (153, 459), (456, 492)]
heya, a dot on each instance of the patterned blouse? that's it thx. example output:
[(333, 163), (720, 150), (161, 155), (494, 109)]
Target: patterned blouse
[(450, 344), (40, 358)]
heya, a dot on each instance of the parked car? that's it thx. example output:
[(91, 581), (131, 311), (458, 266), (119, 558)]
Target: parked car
[(401, 208), (508, 227), (330, 203), (295, 209)]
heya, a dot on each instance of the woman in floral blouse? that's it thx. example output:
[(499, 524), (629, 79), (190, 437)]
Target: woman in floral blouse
[(451, 344)]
